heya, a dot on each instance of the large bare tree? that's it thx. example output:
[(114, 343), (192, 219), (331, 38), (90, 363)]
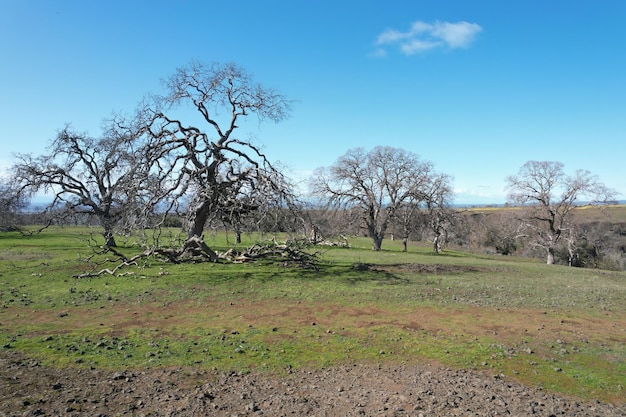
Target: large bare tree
[(549, 196), (206, 171), (97, 177), (379, 183)]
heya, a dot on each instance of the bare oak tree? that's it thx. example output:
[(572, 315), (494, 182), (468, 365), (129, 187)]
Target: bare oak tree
[(437, 196), (205, 170), (84, 175), (379, 183), (11, 203), (549, 197)]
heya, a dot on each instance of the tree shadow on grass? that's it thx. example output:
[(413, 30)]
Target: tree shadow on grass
[(366, 272), (395, 274)]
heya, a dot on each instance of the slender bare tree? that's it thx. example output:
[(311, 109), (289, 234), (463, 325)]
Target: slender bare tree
[(437, 197), (549, 197)]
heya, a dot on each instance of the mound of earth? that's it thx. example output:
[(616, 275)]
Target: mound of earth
[(29, 389)]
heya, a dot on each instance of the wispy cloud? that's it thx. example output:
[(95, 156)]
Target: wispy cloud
[(423, 36)]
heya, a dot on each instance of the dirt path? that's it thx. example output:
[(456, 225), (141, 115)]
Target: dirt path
[(29, 389)]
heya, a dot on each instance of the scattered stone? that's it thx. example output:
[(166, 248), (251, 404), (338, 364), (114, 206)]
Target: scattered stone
[(251, 407), (349, 390)]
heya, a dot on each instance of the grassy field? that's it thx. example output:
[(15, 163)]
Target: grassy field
[(554, 327)]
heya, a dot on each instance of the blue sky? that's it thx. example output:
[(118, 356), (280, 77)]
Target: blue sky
[(476, 87)]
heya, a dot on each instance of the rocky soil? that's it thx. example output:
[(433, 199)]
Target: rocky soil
[(29, 389)]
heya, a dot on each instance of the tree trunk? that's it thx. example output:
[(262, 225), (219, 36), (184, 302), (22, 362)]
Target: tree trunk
[(376, 234), (109, 239), (199, 220), (195, 236), (108, 233), (404, 243), (377, 242), (437, 243), (314, 234), (550, 257)]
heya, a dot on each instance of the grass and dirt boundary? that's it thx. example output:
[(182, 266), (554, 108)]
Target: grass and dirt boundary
[(556, 328)]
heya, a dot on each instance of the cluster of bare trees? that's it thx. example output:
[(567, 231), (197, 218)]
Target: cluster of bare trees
[(387, 188), (161, 161), (165, 161)]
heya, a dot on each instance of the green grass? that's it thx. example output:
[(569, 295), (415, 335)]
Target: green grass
[(559, 328)]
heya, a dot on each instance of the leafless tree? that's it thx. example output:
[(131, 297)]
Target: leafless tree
[(405, 220), (379, 183), (549, 197), (437, 197), (11, 204), (84, 175), (203, 168)]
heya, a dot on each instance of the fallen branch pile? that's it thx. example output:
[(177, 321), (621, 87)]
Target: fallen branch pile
[(290, 253)]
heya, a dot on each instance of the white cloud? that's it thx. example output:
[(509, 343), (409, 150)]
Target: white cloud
[(456, 35), (390, 36), (417, 45), (423, 36), (419, 27)]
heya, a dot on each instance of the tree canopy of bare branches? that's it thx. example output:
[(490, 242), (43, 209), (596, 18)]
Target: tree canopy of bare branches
[(549, 196), (385, 184), (84, 175), (11, 203), (437, 197), (165, 160), (205, 171)]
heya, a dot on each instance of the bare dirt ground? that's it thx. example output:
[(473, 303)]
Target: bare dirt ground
[(29, 389)]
